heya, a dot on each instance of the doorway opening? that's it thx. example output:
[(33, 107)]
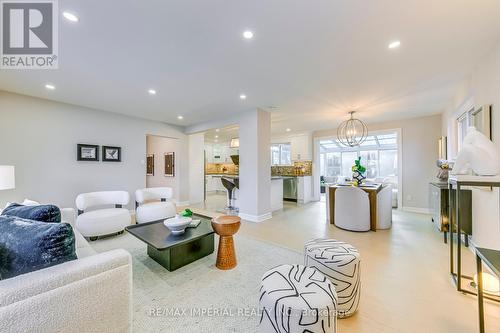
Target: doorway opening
[(222, 169)]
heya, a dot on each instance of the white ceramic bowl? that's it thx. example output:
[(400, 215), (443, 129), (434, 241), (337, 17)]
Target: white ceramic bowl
[(177, 225)]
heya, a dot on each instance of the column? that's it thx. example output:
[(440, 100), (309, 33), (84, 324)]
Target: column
[(255, 166)]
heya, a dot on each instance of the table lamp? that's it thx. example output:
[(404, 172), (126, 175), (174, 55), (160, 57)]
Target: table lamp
[(7, 177)]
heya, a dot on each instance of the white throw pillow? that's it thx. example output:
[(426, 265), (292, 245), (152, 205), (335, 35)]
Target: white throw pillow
[(28, 202)]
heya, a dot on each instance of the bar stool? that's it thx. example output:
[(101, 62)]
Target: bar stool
[(230, 185)]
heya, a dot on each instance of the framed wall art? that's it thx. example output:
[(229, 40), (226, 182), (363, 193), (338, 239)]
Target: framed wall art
[(86, 152), (170, 164), (111, 154), (150, 165)]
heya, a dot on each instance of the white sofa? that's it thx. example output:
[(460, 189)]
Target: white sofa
[(90, 294), (105, 221), (152, 204)]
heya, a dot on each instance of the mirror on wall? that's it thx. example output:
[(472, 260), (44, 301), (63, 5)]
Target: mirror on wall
[(480, 118), (442, 148)]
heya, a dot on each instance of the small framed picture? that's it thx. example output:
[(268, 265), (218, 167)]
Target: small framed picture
[(169, 164), (85, 152), (111, 154), (150, 165)]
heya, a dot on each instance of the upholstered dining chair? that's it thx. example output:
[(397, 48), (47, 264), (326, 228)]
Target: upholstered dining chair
[(352, 209), (384, 207), (153, 204)]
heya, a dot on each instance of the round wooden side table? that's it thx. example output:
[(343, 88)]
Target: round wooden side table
[(226, 226)]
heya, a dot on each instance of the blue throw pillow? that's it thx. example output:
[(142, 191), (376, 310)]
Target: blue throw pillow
[(32, 245), (41, 213), (4, 263)]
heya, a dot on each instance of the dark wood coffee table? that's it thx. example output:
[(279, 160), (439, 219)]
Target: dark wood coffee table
[(173, 252)]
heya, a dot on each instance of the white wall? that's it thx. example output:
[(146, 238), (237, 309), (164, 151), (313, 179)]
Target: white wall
[(480, 88), (158, 146), (196, 168), (39, 137), (419, 155)]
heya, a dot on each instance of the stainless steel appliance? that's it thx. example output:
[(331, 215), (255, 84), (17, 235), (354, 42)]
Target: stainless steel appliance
[(290, 189)]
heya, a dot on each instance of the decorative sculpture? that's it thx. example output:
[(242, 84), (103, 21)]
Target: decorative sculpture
[(478, 154), (358, 172), (444, 169)]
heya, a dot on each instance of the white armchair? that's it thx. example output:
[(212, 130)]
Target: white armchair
[(105, 221), (384, 208), (152, 205), (352, 209)]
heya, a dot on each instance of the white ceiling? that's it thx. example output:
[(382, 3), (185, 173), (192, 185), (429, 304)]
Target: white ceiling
[(315, 60), (222, 135)]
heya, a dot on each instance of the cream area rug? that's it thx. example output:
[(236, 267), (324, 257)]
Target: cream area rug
[(199, 297)]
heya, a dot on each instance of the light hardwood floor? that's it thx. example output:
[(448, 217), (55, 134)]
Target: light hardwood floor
[(406, 286)]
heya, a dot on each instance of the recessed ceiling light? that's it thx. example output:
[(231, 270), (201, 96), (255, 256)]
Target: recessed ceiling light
[(288, 129), (70, 17), (242, 96), (216, 136), (217, 130), (395, 44), (152, 92), (180, 117), (247, 34), (50, 86)]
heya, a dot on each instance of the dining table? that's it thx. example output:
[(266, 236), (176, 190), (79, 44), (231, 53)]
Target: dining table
[(371, 188)]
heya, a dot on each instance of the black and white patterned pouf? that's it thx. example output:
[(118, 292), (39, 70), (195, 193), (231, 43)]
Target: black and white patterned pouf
[(297, 299), (340, 262)]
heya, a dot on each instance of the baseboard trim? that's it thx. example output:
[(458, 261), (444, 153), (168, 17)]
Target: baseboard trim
[(255, 218), (181, 203), (416, 210)]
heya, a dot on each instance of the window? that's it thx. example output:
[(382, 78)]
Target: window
[(347, 162), (332, 165), (281, 154), (388, 161), (379, 154), (369, 159), (463, 124)]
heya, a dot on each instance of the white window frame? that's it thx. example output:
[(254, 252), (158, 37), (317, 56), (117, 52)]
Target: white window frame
[(316, 161), (359, 149), (280, 146)]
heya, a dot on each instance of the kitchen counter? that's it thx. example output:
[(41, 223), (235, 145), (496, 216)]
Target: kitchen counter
[(233, 176)]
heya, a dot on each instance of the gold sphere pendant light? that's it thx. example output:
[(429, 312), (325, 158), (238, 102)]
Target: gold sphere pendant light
[(352, 132)]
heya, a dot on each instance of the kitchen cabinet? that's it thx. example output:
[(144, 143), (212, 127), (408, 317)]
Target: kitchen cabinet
[(218, 153), (214, 184), (304, 189), (301, 147)]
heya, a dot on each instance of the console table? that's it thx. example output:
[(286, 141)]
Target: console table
[(490, 257), (439, 204)]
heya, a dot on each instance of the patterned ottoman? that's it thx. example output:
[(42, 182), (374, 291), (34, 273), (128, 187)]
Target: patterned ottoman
[(297, 299), (340, 262)]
